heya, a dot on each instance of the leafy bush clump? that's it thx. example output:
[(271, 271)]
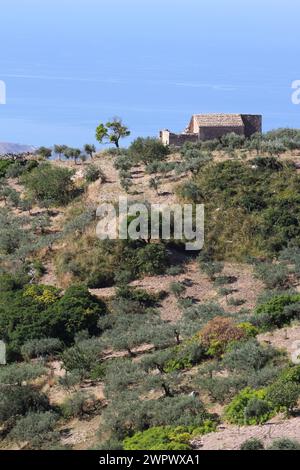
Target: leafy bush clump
[(252, 444), (277, 311), (248, 356), (10, 282), (177, 288), (250, 330), (15, 374), (185, 356), (259, 207), (144, 298), (41, 348), (18, 400), (195, 317), (84, 359), (77, 310), (166, 437), (284, 444), (93, 173), (99, 263), (211, 268), (78, 405), (35, 427), (18, 168), (273, 275), (127, 415), (50, 184), (249, 407), (46, 295), (152, 259), (32, 318), (4, 166), (218, 334), (291, 374), (284, 395), (174, 270), (147, 150)]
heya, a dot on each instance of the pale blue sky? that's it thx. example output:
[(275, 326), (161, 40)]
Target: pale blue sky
[(69, 64)]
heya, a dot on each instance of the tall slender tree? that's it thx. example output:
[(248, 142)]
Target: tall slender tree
[(90, 150), (112, 131), (59, 150)]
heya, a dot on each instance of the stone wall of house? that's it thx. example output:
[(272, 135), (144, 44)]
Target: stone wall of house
[(169, 138), (214, 132), (179, 139), (241, 124)]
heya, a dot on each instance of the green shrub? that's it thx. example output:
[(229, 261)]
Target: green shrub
[(77, 405), (260, 208), (189, 191), (93, 173), (284, 444), (283, 395), (18, 400), (36, 314), (196, 316), (212, 268), (144, 298), (4, 167), (222, 389), (152, 259), (256, 411), (17, 373), (185, 356), (273, 275), (165, 438), (123, 162), (36, 428), (50, 184), (224, 291), (174, 270), (99, 279), (126, 183), (147, 150), (77, 310), (17, 237), (17, 169), (291, 374), (84, 359), (127, 415), (221, 280), (273, 313), (10, 282), (43, 295), (250, 330), (116, 152), (252, 444), (41, 348), (248, 356), (177, 289), (249, 407), (39, 268), (268, 163)]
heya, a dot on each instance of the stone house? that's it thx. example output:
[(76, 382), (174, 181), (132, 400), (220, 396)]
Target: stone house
[(214, 126)]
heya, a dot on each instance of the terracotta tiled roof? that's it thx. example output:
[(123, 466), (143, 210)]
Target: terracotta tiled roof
[(218, 120)]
